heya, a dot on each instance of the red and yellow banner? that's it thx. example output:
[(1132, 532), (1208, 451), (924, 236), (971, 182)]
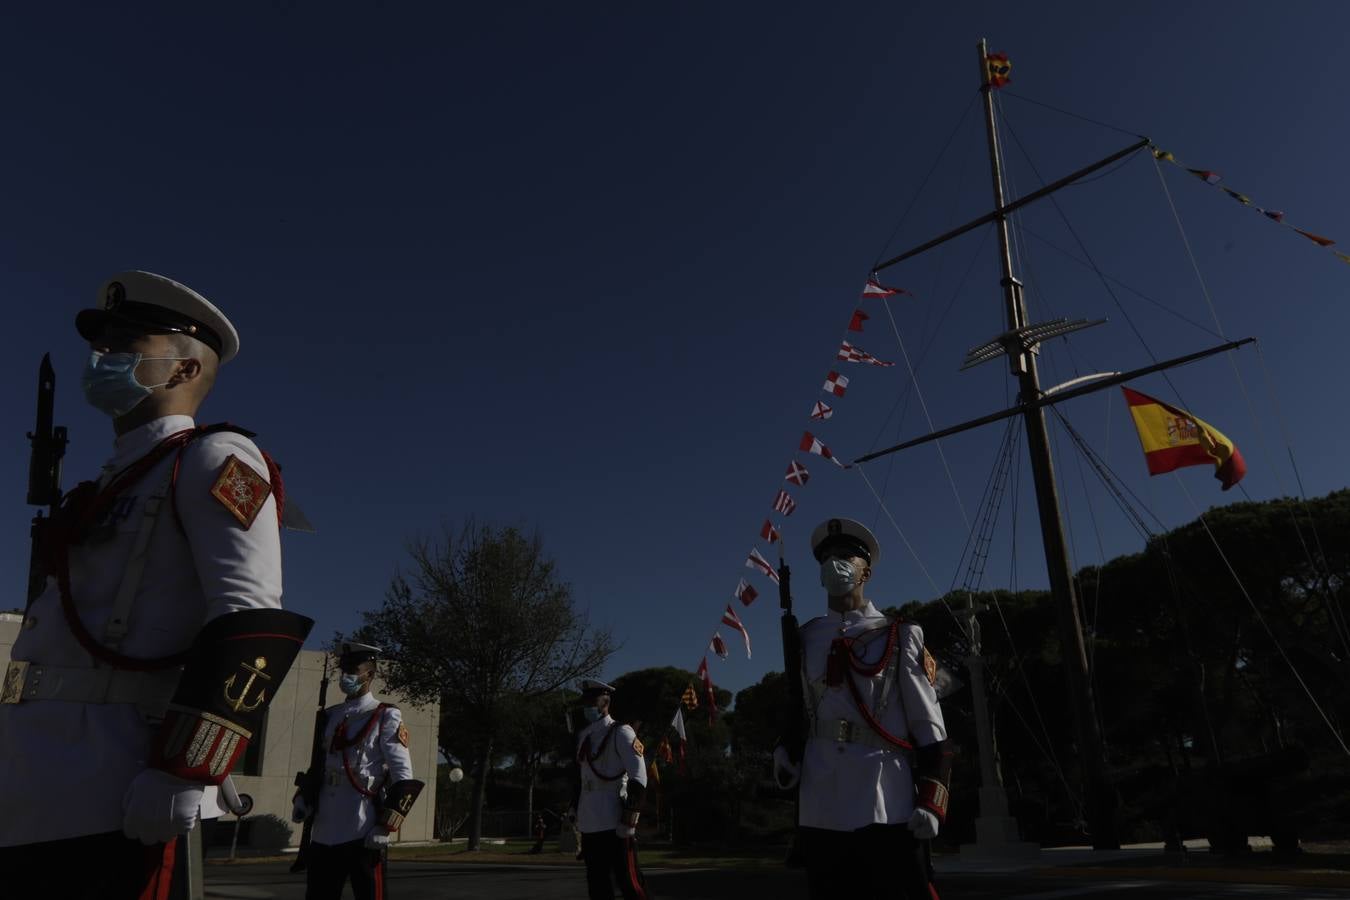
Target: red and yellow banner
[(1173, 438)]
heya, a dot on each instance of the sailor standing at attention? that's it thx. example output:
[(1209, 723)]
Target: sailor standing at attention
[(874, 760), (146, 661), (366, 789), (613, 781)]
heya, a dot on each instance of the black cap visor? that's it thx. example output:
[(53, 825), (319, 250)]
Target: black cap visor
[(842, 545), (352, 660), (145, 317)]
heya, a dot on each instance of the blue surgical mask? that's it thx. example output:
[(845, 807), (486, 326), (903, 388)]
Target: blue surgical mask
[(351, 685), (838, 577), (110, 383), (591, 713)]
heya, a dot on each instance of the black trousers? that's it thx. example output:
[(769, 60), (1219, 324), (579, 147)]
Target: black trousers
[(330, 865), (108, 866), (884, 862), (610, 858)]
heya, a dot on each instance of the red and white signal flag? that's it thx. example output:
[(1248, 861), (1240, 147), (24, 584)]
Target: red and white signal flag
[(708, 690), (835, 384), (768, 532), (811, 444), (796, 473), (718, 645), (784, 503), (875, 288), (859, 317), (821, 410), (746, 593), (849, 353), (730, 618), (678, 724), (755, 561)]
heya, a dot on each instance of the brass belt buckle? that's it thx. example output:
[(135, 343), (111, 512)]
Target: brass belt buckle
[(16, 673), (843, 730)]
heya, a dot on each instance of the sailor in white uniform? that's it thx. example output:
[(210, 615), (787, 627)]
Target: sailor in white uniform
[(613, 781), (874, 763), (145, 664), (365, 791)]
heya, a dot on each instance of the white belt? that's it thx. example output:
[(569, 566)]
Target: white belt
[(842, 731), (26, 681)]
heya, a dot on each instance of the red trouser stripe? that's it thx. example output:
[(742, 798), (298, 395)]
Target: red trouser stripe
[(633, 878), (379, 879), (159, 871)]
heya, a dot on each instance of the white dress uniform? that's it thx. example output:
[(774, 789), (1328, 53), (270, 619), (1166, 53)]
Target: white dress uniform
[(65, 763), (850, 777), (613, 752), (355, 774)]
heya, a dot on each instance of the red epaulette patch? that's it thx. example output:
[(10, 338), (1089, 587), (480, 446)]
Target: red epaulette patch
[(241, 490)]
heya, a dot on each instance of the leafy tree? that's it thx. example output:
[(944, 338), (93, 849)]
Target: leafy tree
[(482, 624)]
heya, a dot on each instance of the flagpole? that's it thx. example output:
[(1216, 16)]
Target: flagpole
[(1101, 804)]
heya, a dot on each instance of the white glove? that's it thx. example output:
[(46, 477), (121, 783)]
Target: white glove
[(924, 824), (158, 807), (299, 809), (782, 764), (625, 831), (377, 839)]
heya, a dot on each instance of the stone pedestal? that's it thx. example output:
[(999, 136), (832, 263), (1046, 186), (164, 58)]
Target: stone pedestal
[(996, 837)]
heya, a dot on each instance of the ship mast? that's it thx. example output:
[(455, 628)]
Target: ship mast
[(1019, 344), (1100, 796)]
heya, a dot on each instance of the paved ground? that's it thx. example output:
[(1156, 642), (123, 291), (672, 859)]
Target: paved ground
[(444, 881)]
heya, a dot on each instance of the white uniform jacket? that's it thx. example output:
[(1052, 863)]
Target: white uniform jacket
[(353, 775), (65, 765), (850, 778), (610, 755)]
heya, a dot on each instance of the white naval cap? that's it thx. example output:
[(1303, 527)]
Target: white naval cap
[(351, 653), (592, 688), (159, 304), (846, 535)]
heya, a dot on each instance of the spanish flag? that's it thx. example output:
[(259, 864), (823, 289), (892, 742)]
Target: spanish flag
[(1000, 69), (1173, 438)]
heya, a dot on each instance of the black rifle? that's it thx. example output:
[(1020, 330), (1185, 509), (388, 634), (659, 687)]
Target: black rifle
[(310, 783), (48, 444), (793, 735), (794, 716)]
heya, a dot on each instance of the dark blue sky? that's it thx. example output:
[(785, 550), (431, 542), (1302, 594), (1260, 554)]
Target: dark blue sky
[(583, 267)]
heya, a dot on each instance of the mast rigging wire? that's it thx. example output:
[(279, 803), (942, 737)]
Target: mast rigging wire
[(1242, 588), (924, 183), (1251, 407), (1003, 92)]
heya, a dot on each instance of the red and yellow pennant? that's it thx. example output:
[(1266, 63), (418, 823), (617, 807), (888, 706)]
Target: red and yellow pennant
[(1173, 438)]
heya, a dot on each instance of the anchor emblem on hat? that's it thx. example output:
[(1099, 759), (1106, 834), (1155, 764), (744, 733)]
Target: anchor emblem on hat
[(240, 703), (114, 295)]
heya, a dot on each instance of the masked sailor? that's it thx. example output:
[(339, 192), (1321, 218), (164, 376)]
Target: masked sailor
[(871, 750), (365, 790), (613, 780), (146, 662)]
